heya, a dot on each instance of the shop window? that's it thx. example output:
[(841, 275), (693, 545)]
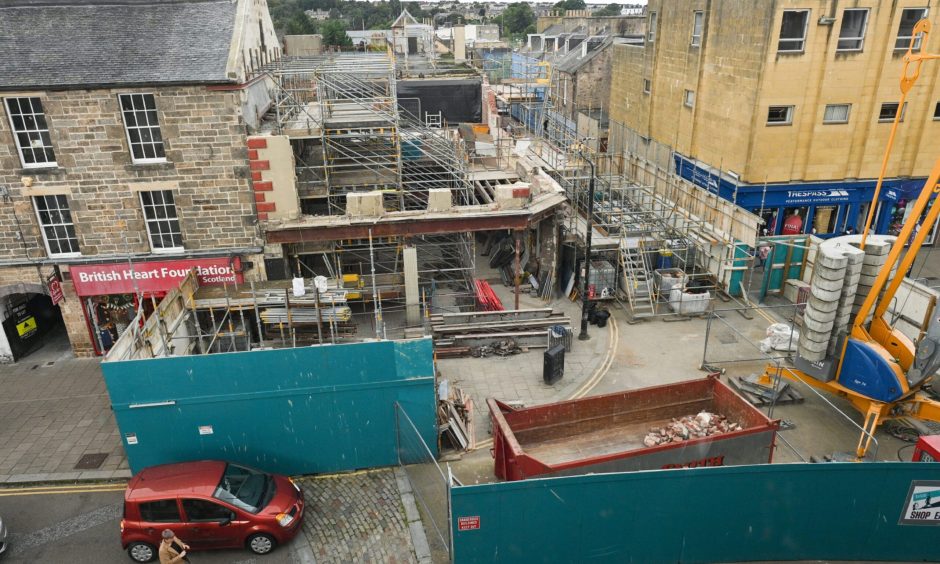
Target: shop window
[(58, 229), (824, 220), (780, 115), (163, 225), (836, 113), (852, 33), (889, 110), (651, 36), (689, 98), (793, 221), (33, 142), (142, 127), (793, 31), (698, 23), (909, 17)]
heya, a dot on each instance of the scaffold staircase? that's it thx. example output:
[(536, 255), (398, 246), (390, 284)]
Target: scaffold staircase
[(637, 282)]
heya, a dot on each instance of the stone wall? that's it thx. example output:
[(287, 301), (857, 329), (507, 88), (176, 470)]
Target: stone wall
[(737, 73), (592, 83), (206, 168)]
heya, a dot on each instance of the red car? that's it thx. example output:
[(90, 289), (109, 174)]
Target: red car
[(209, 504)]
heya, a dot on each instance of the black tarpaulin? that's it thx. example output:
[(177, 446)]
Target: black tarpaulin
[(459, 100)]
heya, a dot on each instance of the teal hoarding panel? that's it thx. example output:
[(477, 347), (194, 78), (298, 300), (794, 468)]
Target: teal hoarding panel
[(743, 513), (293, 411)]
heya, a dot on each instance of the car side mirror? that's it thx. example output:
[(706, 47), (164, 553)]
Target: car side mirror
[(225, 521)]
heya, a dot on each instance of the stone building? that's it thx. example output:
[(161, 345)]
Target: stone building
[(124, 158), (584, 77), (784, 107)]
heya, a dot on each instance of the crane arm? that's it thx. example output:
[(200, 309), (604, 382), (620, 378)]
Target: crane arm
[(909, 75)]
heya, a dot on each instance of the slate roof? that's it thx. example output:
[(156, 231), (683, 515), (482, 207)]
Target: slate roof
[(573, 61), (98, 43)]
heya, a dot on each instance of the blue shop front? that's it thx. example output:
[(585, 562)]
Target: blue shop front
[(824, 208)]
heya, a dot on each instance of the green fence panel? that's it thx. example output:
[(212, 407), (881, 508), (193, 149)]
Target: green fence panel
[(848, 511), (293, 411)]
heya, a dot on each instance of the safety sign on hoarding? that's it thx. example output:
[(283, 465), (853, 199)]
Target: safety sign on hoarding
[(468, 523), (923, 504)]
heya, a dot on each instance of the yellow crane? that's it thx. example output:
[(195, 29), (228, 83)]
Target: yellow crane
[(879, 370)]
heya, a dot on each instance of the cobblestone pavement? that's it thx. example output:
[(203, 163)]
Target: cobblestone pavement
[(54, 409), (357, 518)]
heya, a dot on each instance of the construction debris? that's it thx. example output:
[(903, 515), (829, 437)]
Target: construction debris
[(457, 334), (761, 395), (705, 424), (505, 347), (455, 417)]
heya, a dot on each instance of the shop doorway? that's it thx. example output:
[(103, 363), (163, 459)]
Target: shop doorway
[(31, 323), (109, 316)]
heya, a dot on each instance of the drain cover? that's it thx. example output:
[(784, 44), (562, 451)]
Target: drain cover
[(91, 461)]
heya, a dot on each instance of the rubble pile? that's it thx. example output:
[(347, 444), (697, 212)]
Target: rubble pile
[(704, 424), (505, 347)]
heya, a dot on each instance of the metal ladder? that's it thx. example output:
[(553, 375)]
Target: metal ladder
[(636, 280)]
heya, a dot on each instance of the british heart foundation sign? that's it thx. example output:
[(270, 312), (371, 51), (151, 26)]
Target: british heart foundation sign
[(55, 290), (157, 276)]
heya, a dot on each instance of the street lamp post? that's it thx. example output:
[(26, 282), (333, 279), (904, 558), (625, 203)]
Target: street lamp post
[(583, 336)]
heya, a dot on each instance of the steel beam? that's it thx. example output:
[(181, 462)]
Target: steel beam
[(397, 228)]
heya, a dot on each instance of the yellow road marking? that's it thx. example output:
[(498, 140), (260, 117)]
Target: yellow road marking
[(40, 490)]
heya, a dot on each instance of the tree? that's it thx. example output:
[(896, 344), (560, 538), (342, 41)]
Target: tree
[(516, 18), (570, 5), (394, 8), (334, 33), (608, 10), (298, 24)]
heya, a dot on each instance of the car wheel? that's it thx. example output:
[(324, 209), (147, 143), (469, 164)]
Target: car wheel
[(261, 543), (141, 551)]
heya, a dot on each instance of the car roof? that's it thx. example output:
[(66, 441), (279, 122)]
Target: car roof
[(171, 480)]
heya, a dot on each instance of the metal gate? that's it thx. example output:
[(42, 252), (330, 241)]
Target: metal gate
[(429, 481)]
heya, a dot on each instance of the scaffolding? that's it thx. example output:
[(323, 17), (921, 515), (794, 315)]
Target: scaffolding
[(647, 222), (351, 134)]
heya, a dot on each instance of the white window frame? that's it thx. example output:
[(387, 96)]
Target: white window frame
[(789, 120), (861, 38), (688, 98), (647, 86), (149, 127), (651, 32), (891, 119), (698, 17), (801, 40), (848, 113), (30, 133), (156, 221), (901, 42), (53, 225)]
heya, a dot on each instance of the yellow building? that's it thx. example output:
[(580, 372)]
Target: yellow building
[(785, 106)]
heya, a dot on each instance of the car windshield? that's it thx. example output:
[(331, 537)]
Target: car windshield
[(245, 488)]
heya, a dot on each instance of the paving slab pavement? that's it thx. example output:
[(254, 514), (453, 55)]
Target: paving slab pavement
[(54, 409)]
